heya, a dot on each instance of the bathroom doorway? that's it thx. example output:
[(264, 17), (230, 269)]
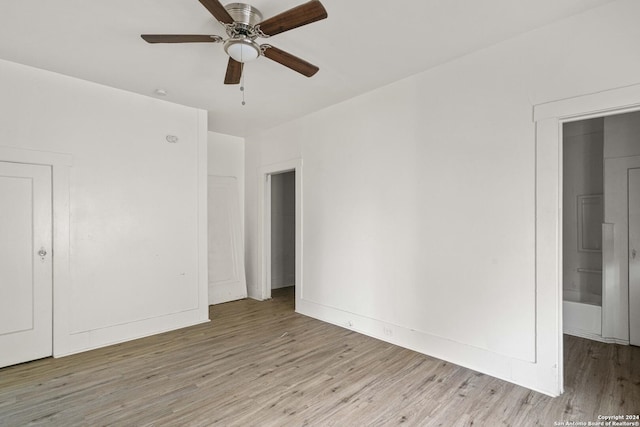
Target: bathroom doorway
[(601, 230), (582, 219)]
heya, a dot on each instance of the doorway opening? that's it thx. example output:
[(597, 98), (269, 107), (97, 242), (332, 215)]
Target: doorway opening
[(582, 219), (601, 229), (549, 119), (281, 231)]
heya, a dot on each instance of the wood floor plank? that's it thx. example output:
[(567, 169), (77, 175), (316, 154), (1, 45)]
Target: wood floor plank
[(261, 364)]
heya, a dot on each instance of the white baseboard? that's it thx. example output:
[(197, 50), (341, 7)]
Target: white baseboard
[(282, 286), (531, 375), (595, 337), (90, 340)]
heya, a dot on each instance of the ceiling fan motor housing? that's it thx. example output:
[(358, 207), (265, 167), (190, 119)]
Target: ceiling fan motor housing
[(241, 45), (245, 15)]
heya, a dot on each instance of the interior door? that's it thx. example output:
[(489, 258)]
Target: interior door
[(634, 256), (26, 326), (226, 254)]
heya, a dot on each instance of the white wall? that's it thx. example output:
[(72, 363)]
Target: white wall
[(419, 197), (137, 223), (283, 230)]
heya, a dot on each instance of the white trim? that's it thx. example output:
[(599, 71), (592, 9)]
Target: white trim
[(203, 220), (266, 290), (606, 103), (36, 157), (60, 166), (264, 235), (594, 337), (549, 118), (610, 280)]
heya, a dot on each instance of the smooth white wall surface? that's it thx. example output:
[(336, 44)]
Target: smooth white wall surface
[(137, 223), (419, 197)]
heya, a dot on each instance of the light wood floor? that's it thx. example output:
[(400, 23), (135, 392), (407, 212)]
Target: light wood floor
[(260, 364)]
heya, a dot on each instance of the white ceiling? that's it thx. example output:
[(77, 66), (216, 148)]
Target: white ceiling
[(363, 44)]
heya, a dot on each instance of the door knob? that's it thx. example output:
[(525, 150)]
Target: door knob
[(42, 253), (633, 254)]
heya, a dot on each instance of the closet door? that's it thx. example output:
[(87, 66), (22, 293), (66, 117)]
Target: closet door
[(226, 250), (26, 326)]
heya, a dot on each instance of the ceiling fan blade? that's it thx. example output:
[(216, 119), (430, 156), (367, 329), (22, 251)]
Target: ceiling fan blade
[(288, 60), (301, 15), (180, 38), (234, 72), (218, 11)]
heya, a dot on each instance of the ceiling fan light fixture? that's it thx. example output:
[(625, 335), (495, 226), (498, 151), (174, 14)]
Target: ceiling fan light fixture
[(242, 49), (243, 24)]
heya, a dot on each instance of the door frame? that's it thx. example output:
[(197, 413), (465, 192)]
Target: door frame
[(634, 339), (549, 118), (264, 226), (61, 280)]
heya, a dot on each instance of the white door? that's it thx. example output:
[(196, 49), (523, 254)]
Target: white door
[(26, 330), (634, 256), (226, 254)]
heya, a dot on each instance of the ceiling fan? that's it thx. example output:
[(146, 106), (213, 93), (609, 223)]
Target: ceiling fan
[(243, 24)]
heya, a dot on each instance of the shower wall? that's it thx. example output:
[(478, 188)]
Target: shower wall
[(583, 210)]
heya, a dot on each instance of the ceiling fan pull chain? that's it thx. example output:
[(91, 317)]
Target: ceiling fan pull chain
[(242, 88)]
